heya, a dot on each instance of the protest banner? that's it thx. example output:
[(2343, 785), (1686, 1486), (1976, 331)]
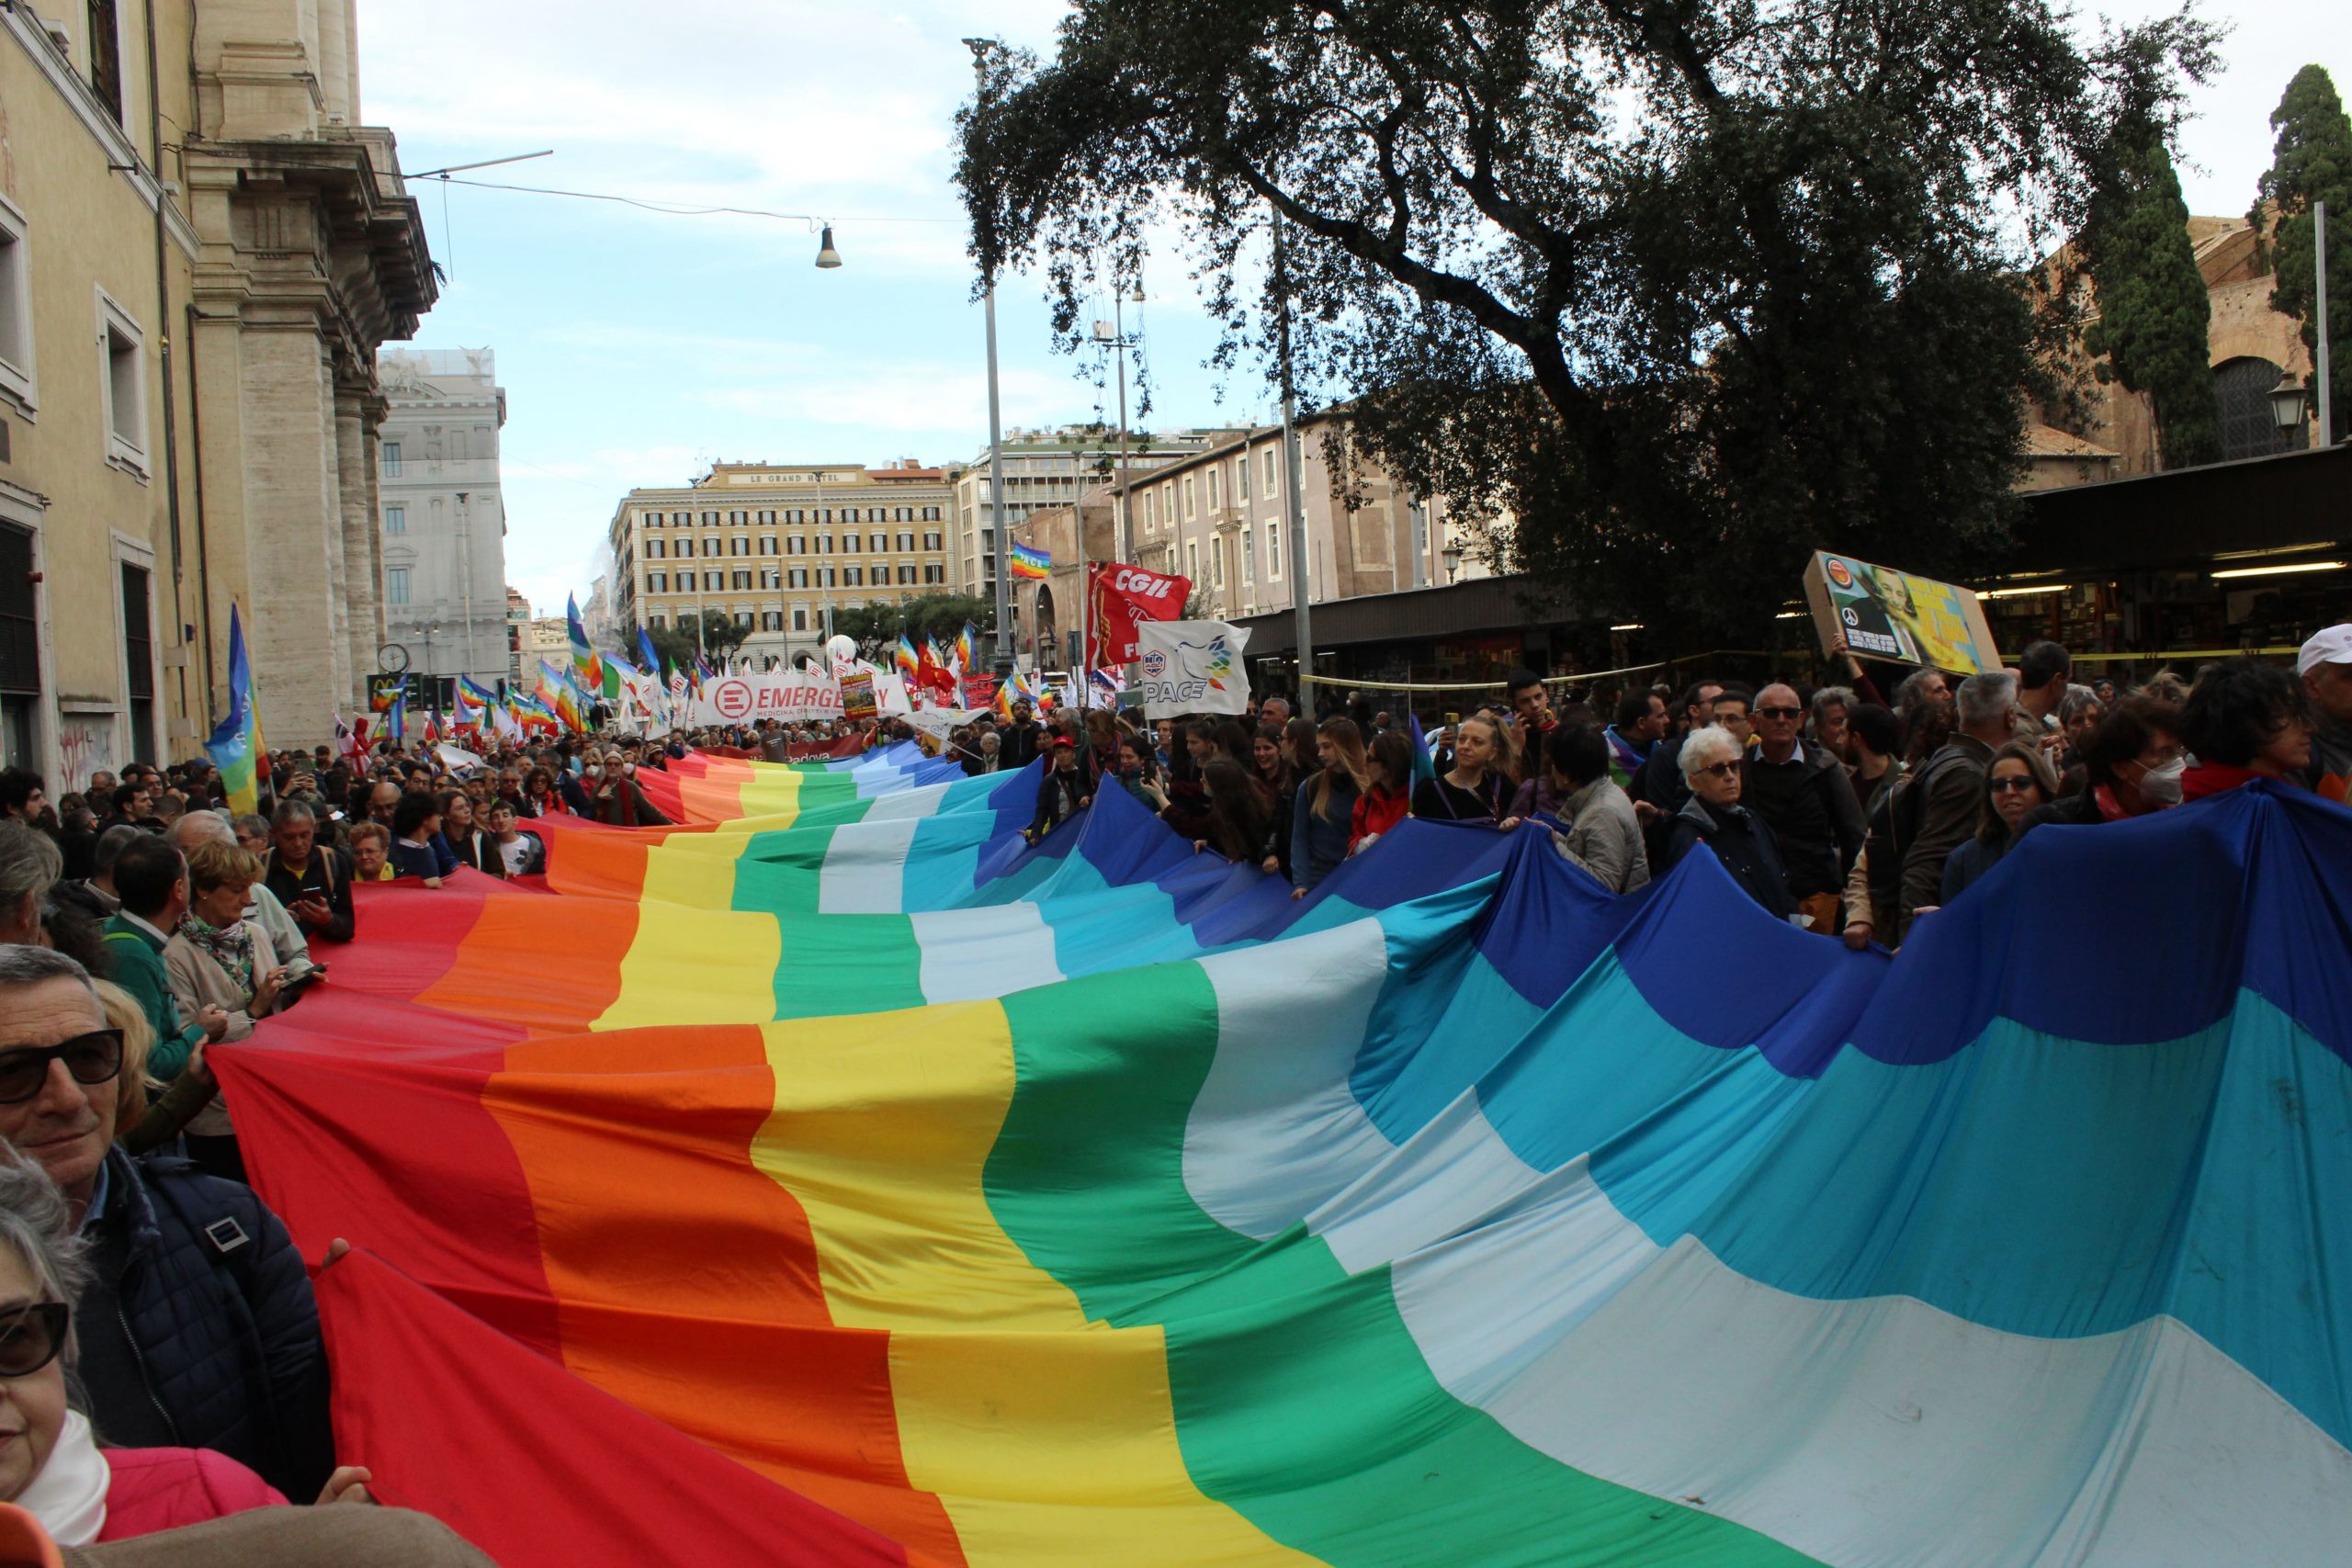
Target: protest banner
[(1192, 667), (791, 696), (1125, 596), (1879, 612)]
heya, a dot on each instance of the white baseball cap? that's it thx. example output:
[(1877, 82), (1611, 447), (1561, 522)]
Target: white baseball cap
[(2332, 645)]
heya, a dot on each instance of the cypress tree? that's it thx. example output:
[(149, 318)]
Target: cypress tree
[(2313, 163), (2153, 305)]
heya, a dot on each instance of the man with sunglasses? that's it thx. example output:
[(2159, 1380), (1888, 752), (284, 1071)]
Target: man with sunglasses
[(1801, 792), (198, 1328)]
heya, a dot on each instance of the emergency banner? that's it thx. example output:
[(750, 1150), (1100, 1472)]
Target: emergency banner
[(790, 696), (1123, 597)]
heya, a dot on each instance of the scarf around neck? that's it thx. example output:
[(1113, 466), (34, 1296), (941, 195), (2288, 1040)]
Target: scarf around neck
[(69, 1495), (231, 946)]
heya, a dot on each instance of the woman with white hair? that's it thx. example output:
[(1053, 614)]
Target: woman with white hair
[(50, 1463), (1711, 763)]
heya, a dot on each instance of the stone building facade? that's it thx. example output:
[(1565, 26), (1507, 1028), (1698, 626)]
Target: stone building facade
[(2249, 346), (1042, 468), (312, 257), (774, 547), (1218, 518), (441, 521)]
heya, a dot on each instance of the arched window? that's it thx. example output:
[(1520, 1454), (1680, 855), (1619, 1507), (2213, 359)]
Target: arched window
[(2249, 429)]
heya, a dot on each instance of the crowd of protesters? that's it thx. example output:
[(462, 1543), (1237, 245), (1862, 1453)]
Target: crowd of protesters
[(1848, 809)]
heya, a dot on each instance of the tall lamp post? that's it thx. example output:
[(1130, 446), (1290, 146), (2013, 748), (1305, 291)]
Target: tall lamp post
[(1116, 339), (999, 525)]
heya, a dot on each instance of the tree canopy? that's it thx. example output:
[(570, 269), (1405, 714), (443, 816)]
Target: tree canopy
[(1684, 289), (2154, 309), (2313, 163)]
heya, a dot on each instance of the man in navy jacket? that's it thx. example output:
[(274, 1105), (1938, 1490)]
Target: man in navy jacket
[(198, 1329)]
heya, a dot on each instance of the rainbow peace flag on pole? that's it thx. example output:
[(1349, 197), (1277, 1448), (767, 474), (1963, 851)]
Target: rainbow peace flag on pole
[(868, 1185), (235, 746), (966, 641), (588, 669), (1030, 562), (909, 661)]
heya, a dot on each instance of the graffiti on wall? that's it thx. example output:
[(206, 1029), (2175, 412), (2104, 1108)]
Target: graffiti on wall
[(84, 744)]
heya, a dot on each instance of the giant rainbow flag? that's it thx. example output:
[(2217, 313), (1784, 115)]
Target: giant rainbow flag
[(837, 1178)]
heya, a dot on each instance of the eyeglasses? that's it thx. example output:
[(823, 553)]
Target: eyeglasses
[(2010, 786), (31, 1336), (1721, 770), (1780, 713), (92, 1058)]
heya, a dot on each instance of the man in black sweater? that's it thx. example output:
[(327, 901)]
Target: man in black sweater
[(1801, 792)]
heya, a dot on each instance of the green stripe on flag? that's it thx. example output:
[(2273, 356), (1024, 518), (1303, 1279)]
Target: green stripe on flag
[(1301, 1399)]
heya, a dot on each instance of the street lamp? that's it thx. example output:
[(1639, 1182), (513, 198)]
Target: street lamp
[(827, 256), (2287, 400), (1451, 556)]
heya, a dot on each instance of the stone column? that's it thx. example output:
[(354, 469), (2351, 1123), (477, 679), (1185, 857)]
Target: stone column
[(300, 665), (361, 581)]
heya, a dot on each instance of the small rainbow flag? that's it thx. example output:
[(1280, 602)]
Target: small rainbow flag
[(1031, 563)]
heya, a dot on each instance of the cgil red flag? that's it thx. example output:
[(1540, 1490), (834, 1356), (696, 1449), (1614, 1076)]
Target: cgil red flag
[(1124, 596)]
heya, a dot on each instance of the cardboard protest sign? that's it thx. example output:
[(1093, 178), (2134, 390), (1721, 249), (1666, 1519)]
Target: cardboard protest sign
[(1879, 612)]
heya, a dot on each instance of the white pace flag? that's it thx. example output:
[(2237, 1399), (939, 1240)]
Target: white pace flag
[(1191, 667)]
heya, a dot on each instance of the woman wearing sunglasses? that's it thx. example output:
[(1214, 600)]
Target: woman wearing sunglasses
[(2019, 780), (1713, 816), (51, 1465)]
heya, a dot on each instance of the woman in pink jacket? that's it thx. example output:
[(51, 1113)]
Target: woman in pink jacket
[(50, 1463)]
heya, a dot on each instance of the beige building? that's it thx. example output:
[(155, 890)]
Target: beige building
[(777, 546), (1047, 467), (102, 534), (2249, 346), (1218, 518), (194, 272)]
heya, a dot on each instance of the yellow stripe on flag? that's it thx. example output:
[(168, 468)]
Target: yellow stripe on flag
[(1051, 1439)]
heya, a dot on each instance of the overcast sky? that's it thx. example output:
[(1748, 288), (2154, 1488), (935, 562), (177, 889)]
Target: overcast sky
[(635, 347)]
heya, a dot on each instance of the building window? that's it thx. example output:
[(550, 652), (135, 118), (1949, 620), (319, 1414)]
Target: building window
[(797, 577), (1193, 560), (853, 575), (15, 307), (1213, 490), (2242, 386), (824, 544), (139, 661), (660, 622), (396, 585), (20, 698), (1273, 551), (851, 544), (1241, 477), (657, 582), (826, 576), (124, 385), (907, 572), (1216, 563), (931, 541), (392, 459), (396, 520), (653, 520), (713, 581), (710, 519), (934, 573), (772, 620), (1249, 557), (800, 617), (795, 544), (906, 541), (742, 581), (767, 544)]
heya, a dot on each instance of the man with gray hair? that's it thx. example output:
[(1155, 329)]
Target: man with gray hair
[(198, 1328), (1951, 785), (29, 862)]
